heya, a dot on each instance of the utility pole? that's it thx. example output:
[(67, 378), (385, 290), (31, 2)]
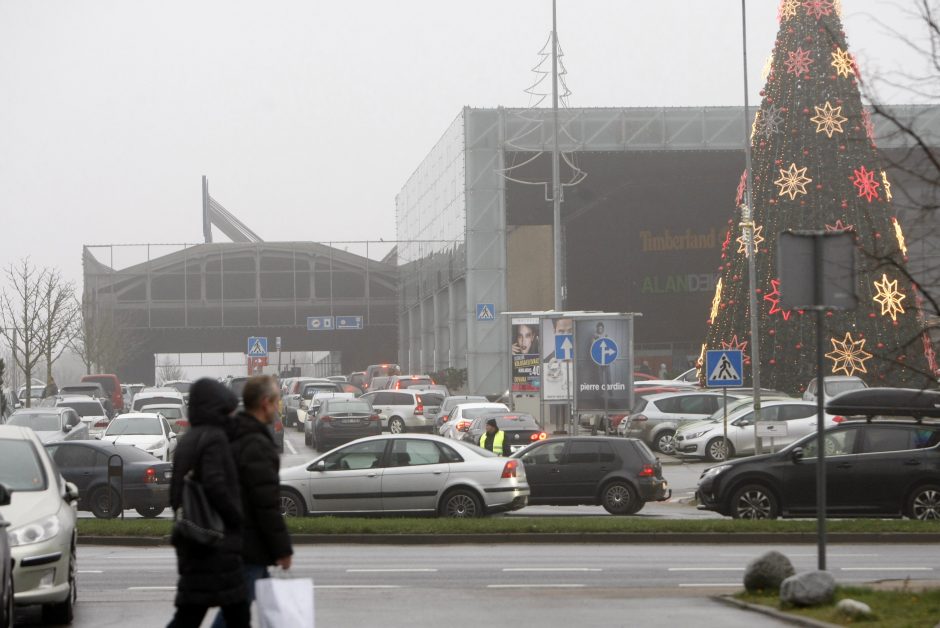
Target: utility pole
[(556, 175)]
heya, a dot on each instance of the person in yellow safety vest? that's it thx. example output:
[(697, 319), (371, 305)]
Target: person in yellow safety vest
[(494, 439)]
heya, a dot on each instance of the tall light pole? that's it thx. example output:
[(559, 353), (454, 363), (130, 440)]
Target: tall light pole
[(556, 175)]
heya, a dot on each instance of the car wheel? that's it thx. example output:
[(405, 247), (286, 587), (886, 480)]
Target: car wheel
[(292, 504), (619, 498), (665, 442), (718, 449), (924, 503), (460, 504), (149, 512), (754, 501), (63, 612), (103, 506), (396, 425)]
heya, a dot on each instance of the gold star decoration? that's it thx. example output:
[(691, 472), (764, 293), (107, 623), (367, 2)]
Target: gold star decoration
[(788, 9), (716, 301), (848, 355), (828, 119), (700, 363), (887, 185), (768, 66), (889, 298), (837, 5), (900, 236), (792, 181), (742, 240), (843, 63)]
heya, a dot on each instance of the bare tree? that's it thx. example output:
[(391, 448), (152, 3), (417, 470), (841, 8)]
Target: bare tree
[(169, 371), (59, 314), (21, 317), (102, 341)]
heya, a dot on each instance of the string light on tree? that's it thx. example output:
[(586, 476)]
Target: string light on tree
[(798, 61), (774, 298), (737, 345), (889, 298), (899, 234), (839, 226), (848, 355), (757, 239), (887, 184), (829, 119), (818, 8), (716, 301), (843, 63), (864, 180), (768, 121), (788, 9), (792, 181)]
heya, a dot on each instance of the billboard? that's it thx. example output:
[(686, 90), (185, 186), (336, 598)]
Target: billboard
[(526, 356), (557, 351), (604, 364)]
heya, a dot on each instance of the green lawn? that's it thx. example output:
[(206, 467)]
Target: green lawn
[(505, 525), (893, 609)]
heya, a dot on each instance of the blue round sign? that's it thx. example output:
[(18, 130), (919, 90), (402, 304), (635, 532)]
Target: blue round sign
[(604, 351)]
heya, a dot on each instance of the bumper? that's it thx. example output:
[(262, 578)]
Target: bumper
[(506, 499), (41, 571), (690, 448), (146, 496), (656, 490), (422, 425)]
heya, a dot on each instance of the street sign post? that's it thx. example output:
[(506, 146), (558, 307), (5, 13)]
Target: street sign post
[(348, 322), (257, 347), (604, 351), (724, 369), (564, 347), (319, 323)]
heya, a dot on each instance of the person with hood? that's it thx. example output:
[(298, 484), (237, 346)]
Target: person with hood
[(210, 576), (266, 540), (494, 439), (51, 389)]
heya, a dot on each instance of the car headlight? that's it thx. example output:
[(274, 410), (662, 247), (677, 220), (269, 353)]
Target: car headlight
[(157, 445), (697, 434), (712, 472), (35, 532)]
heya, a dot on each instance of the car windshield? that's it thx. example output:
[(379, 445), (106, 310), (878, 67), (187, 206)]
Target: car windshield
[(37, 421), (136, 426), (84, 408), (517, 422), (183, 387), (719, 414), (349, 406), (836, 388), (20, 468)]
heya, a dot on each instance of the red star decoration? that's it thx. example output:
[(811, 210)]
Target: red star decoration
[(818, 8), (742, 186), (840, 226), (864, 180), (736, 345), (727, 242), (798, 61), (774, 299)]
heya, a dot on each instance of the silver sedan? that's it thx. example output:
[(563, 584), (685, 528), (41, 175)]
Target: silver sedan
[(405, 473)]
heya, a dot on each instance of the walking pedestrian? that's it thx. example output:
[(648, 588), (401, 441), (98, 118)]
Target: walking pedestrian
[(51, 389), (494, 439), (265, 539), (210, 575)]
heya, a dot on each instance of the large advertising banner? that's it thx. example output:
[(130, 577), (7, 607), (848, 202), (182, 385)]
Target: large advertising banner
[(526, 355), (557, 359), (604, 368)]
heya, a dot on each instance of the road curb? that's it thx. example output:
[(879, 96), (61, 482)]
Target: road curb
[(796, 620), (562, 537)]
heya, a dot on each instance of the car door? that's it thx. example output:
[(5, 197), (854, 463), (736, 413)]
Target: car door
[(350, 479), (382, 404), (799, 486), (800, 419), (415, 474), (76, 429), (889, 461), (583, 469), (543, 470), (76, 462)]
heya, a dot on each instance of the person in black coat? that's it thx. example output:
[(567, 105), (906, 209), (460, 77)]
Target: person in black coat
[(210, 576), (265, 539)]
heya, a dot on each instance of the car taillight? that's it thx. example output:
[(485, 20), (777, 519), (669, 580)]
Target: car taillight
[(326, 418), (539, 436), (639, 417), (647, 472), (419, 409), (509, 470), (463, 425), (102, 423), (838, 419), (375, 417), (150, 476), (182, 423)]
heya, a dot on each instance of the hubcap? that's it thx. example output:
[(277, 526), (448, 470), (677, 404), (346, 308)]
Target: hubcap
[(618, 496), (718, 450), (288, 506), (666, 443), (927, 505), (461, 506), (395, 427), (754, 504)]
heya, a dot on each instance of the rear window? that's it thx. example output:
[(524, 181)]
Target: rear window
[(141, 402), (472, 413), (431, 399), (20, 467), (311, 389), (136, 426), (413, 381), (517, 422), (638, 406), (837, 388), (381, 370), (106, 382), (169, 412), (84, 408), (644, 451), (349, 406)]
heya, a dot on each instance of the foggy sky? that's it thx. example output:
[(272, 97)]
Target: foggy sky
[(309, 116)]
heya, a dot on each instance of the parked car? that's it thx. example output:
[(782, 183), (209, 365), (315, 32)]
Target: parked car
[(89, 410), (655, 419), (401, 410), (379, 370), (152, 397), (402, 382), (358, 379), (175, 415), (41, 532), (306, 417), (147, 431), (519, 429), (90, 389), (112, 387), (34, 393), (132, 390), (616, 424), (6, 565), (181, 386), (834, 385), (449, 403), (620, 474), (379, 382), (400, 473), (794, 418), (144, 485), (302, 389), (51, 424), (876, 467), (462, 415), (341, 420)]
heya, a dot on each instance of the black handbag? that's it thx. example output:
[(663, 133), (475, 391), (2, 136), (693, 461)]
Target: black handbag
[(196, 519)]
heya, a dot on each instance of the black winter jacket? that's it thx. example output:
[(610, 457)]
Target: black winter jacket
[(209, 576), (265, 536)]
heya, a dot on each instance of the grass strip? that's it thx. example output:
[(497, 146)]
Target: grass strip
[(892, 609), (544, 525)]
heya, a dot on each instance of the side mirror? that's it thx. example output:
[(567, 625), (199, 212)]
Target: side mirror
[(320, 465), (71, 492), (797, 454), (172, 434), (744, 423), (6, 495)]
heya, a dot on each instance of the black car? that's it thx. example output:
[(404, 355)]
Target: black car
[(620, 474), (340, 420), (875, 468), (146, 480), (521, 430), (6, 565)]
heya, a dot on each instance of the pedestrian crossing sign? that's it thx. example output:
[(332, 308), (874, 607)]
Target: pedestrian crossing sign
[(486, 312), (257, 347), (724, 368)]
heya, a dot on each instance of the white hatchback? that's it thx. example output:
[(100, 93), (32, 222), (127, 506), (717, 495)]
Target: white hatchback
[(143, 430), (460, 418)]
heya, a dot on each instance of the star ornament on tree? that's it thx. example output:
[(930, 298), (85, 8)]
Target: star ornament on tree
[(843, 62), (864, 180), (840, 226), (716, 302), (828, 119), (798, 61), (774, 298), (737, 345), (768, 122), (889, 297), (848, 355), (818, 8), (792, 181), (788, 9), (742, 241)]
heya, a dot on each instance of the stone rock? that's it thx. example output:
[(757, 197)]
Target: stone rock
[(810, 588), (854, 609), (767, 572)]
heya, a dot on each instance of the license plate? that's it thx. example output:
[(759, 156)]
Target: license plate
[(515, 448), (349, 421)]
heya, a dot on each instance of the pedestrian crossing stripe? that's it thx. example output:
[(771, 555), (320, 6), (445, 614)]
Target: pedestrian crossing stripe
[(257, 349), (484, 313), (724, 371)]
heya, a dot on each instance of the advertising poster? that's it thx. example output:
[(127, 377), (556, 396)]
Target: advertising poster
[(557, 363), (604, 369), (526, 355)]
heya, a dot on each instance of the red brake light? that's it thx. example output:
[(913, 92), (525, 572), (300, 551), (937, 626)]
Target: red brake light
[(838, 419), (462, 426), (102, 423), (150, 476), (375, 417), (182, 423), (509, 470), (539, 436), (419, 409), (326, 418), (640, 417), (648, 471)]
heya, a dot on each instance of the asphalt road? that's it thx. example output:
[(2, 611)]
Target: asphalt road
[(529, 585)]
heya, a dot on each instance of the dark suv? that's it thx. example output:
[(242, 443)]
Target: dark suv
[(620, 474), (874, 467)]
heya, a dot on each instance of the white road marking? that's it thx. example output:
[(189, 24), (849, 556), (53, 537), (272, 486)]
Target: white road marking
[(356, 586), (886, 568), (709, 584), (403, 570), (151, 588), (90, 571), (535, 586), (552, 569), (289, 445), (706, 569)]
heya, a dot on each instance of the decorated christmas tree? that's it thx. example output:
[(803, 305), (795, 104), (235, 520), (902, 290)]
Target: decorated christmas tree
[(816, 167)]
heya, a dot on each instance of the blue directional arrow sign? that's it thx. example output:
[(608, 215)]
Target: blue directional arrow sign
[(604, 351), (564, 347), (724, 368), (257, 347), (348, 322), (319, 323)]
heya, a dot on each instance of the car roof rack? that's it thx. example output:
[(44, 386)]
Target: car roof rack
[(891, 402)]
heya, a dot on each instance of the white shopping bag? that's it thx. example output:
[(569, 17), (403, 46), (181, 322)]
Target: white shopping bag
[(284, 602)]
